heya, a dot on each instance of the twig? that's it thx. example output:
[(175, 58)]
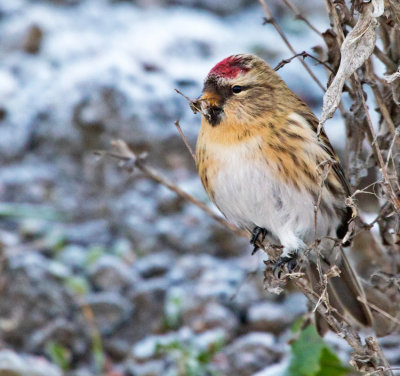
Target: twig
[(124, 153), (301, 17), (390, 65), (381, 104), (178, 126), (271, 20), (381, 311), (303, 54), (388, 187), (194, 104)]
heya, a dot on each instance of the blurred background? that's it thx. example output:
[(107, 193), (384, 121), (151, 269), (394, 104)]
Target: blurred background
[(106, 272)]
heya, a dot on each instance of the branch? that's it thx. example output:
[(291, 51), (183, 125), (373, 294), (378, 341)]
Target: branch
[(178, 126), (303, 54), (271, 20), (301, 17), (388, 187), (132, 160)]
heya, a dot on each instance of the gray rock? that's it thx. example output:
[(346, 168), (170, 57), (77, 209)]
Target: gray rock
[(148, 298), (40, 302), (109, 273), (60, 330), (150, 368), (201, 315), (89, 232), (155, 265), (13, 364), (251, 353), (146, 349), (110, 310), (73, 255), (268, 316)]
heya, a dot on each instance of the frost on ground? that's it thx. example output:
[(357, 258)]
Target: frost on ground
[(101, 270)]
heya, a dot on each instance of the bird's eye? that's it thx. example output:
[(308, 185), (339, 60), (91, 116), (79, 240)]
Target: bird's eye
[(236, 89)]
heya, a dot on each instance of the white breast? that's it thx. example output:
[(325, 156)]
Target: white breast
[(249, 195)]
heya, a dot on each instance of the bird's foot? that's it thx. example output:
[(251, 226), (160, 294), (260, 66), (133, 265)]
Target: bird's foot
[(285, 264), (258, 235)]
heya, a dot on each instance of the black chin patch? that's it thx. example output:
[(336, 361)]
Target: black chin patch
[(214, 115)]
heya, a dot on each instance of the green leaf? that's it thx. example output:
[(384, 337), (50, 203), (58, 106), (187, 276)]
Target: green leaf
[(59, 355), (312, 357), (331, 365)]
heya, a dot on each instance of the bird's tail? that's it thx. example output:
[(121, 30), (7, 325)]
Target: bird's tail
[(344, 292)]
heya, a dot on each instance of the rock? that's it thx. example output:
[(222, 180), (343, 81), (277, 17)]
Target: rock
[(110, 310), (275, 369), (42, 308), (73, 255), (251, 353), (63, 332), (202, 315), (150, 368), (146, 349), (148, 297), (88, 232), (109, 273), (269, 317), (116, 348), (155, 265), (13, 364)]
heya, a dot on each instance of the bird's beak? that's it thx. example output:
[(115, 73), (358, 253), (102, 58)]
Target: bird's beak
[(209, 99), (211, 107)]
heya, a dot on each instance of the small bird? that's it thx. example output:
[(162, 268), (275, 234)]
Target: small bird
[(261, 162)]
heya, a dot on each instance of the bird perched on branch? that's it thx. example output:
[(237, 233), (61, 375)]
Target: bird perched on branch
[(264, 166)]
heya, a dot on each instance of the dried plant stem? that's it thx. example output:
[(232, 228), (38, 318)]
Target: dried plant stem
[(381, 311), (343, 329), (388, 187), (381, 103), (301, 17), (132, 160), (178, 126), (271, 20), (303, 54), (390, 65)]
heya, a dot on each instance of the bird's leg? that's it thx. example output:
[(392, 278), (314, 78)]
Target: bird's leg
[(285, 264), (257, 232)]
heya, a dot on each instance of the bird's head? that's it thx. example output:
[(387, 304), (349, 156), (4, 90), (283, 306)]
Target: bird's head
[(240, 88)]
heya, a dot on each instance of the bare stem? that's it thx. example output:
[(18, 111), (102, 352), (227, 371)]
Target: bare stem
[(301, 17), (178, 127), (271, 20), (124, 153)]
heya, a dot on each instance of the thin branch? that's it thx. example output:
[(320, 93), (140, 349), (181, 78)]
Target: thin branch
[(380, 310), (301, 17), (303, 54), (178, 126), (390, 65), (388, 187), (133, 160), (271, 20)]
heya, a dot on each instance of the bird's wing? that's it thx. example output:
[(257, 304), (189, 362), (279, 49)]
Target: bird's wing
[(327, 147)]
